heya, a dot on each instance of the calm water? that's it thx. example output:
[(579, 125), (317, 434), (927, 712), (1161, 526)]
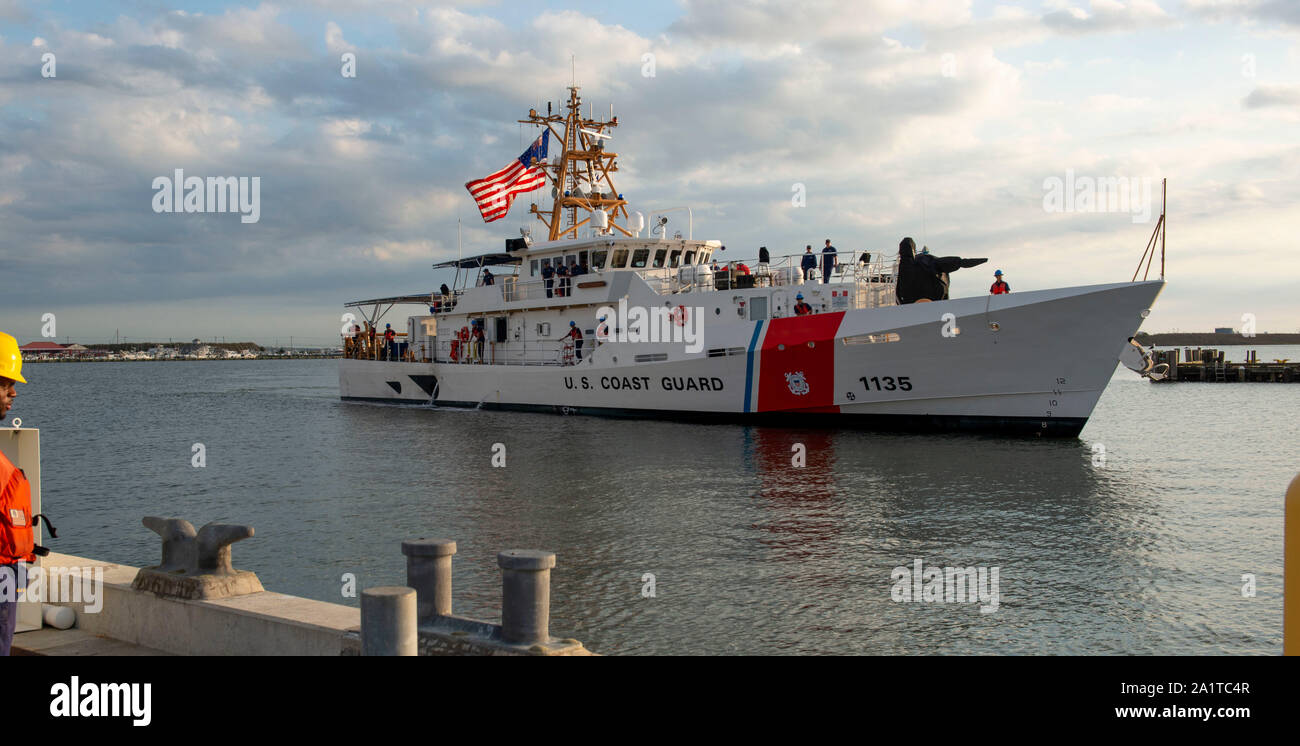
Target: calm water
[(1143, 554)]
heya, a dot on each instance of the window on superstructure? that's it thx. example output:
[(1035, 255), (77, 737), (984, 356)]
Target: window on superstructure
[(582, 257), (659, 257), (639, 258), (620, 259), (534, 268), (598, 258), (675, 258), (571, 260), (690, 257)]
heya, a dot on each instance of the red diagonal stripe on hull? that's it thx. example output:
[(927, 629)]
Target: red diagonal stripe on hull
[(815, 363)]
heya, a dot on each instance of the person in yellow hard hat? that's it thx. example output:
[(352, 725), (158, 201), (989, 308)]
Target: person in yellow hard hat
[(17, 542)]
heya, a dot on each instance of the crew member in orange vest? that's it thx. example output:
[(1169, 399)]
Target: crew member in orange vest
[(999, 285), (576, 334), (17, 539), (390, 342), (801, 308)]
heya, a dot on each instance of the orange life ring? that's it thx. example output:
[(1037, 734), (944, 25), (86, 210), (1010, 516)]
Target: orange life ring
[(679, 315), (464, 333)]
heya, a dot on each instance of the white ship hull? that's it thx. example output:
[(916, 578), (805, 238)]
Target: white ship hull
[(1023, 363)]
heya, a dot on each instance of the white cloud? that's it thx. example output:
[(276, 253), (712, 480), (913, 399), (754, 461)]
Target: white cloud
[(1107, 16)]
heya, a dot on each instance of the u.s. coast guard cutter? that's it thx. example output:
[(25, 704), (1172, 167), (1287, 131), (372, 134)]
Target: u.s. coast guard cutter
[(670, 331)]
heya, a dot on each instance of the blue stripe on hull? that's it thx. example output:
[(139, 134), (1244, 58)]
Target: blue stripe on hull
[(749, 364)]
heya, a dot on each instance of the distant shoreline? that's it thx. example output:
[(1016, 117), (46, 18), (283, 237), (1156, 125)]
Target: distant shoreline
[(1202, 339)]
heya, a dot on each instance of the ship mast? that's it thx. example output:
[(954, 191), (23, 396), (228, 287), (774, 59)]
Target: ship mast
[(580, 179)]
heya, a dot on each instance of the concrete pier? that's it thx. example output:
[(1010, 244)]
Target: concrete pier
[(114, 617)]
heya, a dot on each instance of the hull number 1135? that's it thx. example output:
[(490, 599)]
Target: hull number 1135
[(887, 383)]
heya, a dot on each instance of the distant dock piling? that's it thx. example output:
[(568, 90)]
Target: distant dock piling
[(1208, 365)]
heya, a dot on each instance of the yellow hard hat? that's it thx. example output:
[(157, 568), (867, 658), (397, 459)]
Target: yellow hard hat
[(11, 360)]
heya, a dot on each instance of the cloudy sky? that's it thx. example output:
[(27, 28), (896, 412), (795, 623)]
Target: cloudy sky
[(939, 119)]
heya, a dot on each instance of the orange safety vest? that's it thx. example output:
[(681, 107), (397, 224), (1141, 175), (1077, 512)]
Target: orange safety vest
[(17, 540)]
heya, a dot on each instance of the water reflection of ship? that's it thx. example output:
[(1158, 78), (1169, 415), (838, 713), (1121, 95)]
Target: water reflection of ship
[(802, 500), (1063, 529)]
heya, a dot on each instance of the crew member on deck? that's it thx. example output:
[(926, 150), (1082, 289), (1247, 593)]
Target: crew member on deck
[(801, 308), (488, 278), (809, 264), (562, 272), (1000, 286), (476, 340), (390, 342), (828, 262), (576, 334), (548, 275)]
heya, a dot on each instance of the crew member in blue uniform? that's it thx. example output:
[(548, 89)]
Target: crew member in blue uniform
[(548, 274), (809, 263), (828, 262)]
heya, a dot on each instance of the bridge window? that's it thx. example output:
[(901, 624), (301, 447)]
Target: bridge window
[(675, 258), (659, 257), (620, 259), (582, 257), (533, 269), (598, 258), (639, 258)]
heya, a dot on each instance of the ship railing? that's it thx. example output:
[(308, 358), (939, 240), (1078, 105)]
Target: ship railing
[(868, 277), (561, 287), (549, 352)]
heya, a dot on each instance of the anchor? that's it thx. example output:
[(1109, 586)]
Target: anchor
[(1139, 359)]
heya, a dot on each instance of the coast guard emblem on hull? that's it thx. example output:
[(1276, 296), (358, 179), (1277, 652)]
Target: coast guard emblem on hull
[(797, 383)]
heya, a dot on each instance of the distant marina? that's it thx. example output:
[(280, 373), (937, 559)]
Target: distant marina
[(53, 352)]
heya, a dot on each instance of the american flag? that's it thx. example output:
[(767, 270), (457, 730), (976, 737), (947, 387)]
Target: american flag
[(494, 194)]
